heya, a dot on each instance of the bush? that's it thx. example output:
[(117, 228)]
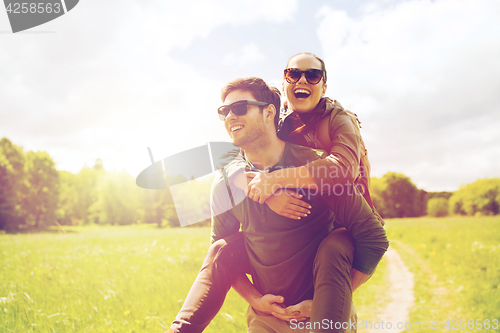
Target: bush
[(437, 207), (482, 196), (394, 195)]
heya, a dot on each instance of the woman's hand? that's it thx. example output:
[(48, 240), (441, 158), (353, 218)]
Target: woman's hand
[(261, 186), (300, 311), (287, 203)]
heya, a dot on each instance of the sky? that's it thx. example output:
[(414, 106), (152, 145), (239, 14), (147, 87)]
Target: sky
[(111, 78)]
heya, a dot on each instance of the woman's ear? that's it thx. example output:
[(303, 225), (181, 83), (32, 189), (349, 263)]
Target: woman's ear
[(323, 91)]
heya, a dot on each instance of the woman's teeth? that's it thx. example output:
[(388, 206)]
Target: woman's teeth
[(301, 93)]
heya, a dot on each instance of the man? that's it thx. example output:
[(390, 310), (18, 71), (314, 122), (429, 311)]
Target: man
[(290, 261)]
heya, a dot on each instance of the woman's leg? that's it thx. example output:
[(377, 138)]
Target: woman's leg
[(224, 259), (332, 281)]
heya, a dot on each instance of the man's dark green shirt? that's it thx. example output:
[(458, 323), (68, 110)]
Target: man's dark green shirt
[(282, 250)]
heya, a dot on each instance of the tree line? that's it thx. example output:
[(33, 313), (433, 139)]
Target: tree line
[(34, 194), (395, 195)]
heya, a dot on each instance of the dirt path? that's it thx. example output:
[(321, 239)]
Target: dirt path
[(400, 287)]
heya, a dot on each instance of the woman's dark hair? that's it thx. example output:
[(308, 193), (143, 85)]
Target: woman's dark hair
[(303, 123), (259, 90), (323, 67)]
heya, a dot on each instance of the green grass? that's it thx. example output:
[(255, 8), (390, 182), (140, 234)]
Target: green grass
[(456, 262), (116, 279), (134, 279), (103, 280)]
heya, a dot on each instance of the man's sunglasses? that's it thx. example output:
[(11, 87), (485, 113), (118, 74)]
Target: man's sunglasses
[(238, 108), (313, 76)]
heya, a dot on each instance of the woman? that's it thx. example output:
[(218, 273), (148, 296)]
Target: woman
[(310, 119), (304, 88)]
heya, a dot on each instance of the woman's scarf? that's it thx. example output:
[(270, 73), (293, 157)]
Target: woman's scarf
[(296, 124)]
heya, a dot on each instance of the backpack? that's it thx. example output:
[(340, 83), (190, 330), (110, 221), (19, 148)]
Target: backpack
[(322, 134)]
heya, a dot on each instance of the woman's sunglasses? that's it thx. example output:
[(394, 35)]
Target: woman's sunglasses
[(313, 76), (238, 108)]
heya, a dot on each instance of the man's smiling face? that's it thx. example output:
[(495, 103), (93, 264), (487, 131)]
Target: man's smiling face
[(247, 128), (303, 96)]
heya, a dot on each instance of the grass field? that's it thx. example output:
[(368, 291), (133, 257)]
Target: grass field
[(118, 279), (134, 279), (456, 263)]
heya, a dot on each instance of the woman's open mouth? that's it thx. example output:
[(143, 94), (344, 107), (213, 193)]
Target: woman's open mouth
[(301, 93)]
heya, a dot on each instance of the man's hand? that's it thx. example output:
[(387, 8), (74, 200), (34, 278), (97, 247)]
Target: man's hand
[(300, 311), (269, 304), (287, 203), (261, 186)]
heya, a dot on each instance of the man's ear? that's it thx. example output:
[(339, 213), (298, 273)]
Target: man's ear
[(269, 112)]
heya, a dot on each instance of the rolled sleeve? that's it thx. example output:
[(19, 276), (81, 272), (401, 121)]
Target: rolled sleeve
[(341, 166)]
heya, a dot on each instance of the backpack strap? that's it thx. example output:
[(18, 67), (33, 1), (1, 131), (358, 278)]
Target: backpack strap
[(322, 132), (324, 137), (226, 180)]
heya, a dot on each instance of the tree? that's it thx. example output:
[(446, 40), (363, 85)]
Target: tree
[(157, 207), (118, 201), (68, 198), (78, 193), (42, 180), (376, 189), (86, 187), (12, 187), (480, 197), (34, 194), (395, 195), (437, 207), (421, 203)]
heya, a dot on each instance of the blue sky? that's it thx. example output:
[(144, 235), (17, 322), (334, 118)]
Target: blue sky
[(109, 79)]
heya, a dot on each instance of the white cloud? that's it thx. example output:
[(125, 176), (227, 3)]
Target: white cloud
[(249, 55), (103, 84), (418, 73)]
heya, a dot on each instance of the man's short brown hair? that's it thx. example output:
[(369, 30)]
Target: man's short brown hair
[(259, 90)]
